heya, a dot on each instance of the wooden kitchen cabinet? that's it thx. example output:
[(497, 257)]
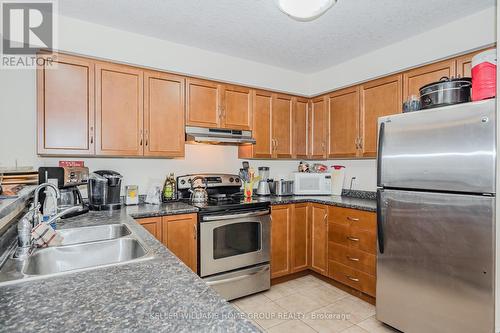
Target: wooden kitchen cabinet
[(379, 98), (119, 110), (163, 115), (343, 123), (282, 125), (301, 128), (262, 128), (301, 238), (203, 103), (414, 79), (281, 217), (319, 238), (179, 235), (237, 108), (153, 226), (65, 107), (318, 119)]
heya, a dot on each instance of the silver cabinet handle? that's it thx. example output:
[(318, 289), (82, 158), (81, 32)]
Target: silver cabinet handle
[(195, 231), (91, 134), (351, 278), (354, 239), (352, 259), (235, 216), (141, 136), (147, 137), (325, 219), (354, 219)]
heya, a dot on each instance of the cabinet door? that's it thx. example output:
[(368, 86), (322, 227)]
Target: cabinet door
[(464, 63), (300, 128), (318, 126), (119, 110), (180, 235), (319, 238), (66, 107), (300, 233), (343, 112), (163, 115), (280, 240), (282, 125), (262, 128), (237, 108), (203, 103), (153, 226), (414, 79), (378, 98)]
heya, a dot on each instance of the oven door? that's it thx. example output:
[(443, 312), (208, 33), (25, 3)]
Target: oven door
[(233, 241)]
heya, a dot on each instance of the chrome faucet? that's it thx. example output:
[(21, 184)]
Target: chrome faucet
[(31, 219)]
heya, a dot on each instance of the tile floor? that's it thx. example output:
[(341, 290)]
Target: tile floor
[(308, 304)]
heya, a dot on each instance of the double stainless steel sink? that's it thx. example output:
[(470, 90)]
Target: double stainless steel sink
[(82, 248)]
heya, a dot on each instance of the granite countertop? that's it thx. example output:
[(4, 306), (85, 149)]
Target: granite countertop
[(156, 295), (369, 205)]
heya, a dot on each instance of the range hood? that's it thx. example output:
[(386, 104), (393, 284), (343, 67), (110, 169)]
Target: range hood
[(218, 136)]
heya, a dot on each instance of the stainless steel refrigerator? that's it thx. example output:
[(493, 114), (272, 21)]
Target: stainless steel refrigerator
[(436, 219)]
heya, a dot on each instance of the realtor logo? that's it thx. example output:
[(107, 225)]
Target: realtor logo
[(27, 27)]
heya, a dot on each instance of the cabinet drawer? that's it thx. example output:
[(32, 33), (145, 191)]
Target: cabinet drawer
[(351, 277), (354, 258), (353, 237), (354, 217)]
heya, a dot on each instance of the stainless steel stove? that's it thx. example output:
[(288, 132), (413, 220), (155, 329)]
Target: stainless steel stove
[(233, 236)]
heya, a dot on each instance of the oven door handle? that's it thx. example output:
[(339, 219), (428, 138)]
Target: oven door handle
[(237, 278), (235, 216)]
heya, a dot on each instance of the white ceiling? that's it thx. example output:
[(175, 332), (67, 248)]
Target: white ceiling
[(257, 30)]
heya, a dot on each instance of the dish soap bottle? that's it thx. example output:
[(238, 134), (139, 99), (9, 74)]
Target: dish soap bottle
[(169, 189)]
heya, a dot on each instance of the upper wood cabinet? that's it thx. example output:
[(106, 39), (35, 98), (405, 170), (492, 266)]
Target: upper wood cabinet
[(119, 110), (65, 109), (163, 114), (319, 238), (414, 79), (301, 128), (282, 125), (343, 123), (378, 98), (280, 240), (318, 128), (301, 237), (203, 106), (237, 107), (180, 234)]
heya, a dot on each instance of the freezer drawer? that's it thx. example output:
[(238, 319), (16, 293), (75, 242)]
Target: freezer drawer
[(435, 266), (445, 149)]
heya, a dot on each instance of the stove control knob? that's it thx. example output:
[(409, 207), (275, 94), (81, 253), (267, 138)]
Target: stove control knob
[(183, 182), (189, 180), (231, 179), (237, 180)]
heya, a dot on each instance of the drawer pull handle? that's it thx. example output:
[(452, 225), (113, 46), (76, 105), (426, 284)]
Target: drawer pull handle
[(352, 259), (351, 278), (354, 219), (354, 239)]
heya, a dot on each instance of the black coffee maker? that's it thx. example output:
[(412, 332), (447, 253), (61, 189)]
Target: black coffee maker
[(104, 190), (67, 180)]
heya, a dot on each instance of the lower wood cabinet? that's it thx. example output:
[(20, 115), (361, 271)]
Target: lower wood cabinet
[(336, 242), (281, 217), (178, 233)]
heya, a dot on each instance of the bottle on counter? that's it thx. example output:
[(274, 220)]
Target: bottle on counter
[(169, 189)]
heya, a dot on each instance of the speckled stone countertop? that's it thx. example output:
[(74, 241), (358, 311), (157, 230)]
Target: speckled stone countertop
[(334, 200), (148, 210), (156, 295)]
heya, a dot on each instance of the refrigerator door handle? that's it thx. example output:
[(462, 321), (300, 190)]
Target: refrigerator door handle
[(379, 152), (380, 227)]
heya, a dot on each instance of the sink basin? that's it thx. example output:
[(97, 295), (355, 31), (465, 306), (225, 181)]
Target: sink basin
[(93, 234), (79, 256)]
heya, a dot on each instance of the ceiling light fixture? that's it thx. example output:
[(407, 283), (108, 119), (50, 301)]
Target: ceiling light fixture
[(305, 10)]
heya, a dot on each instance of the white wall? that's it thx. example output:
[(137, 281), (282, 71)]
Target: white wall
[(18, 91), (466, 34)]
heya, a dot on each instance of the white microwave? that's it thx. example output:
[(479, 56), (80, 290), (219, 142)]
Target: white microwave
[(312, 183)]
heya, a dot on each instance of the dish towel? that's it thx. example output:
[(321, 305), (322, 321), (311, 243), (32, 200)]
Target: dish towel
[(43, 235)]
